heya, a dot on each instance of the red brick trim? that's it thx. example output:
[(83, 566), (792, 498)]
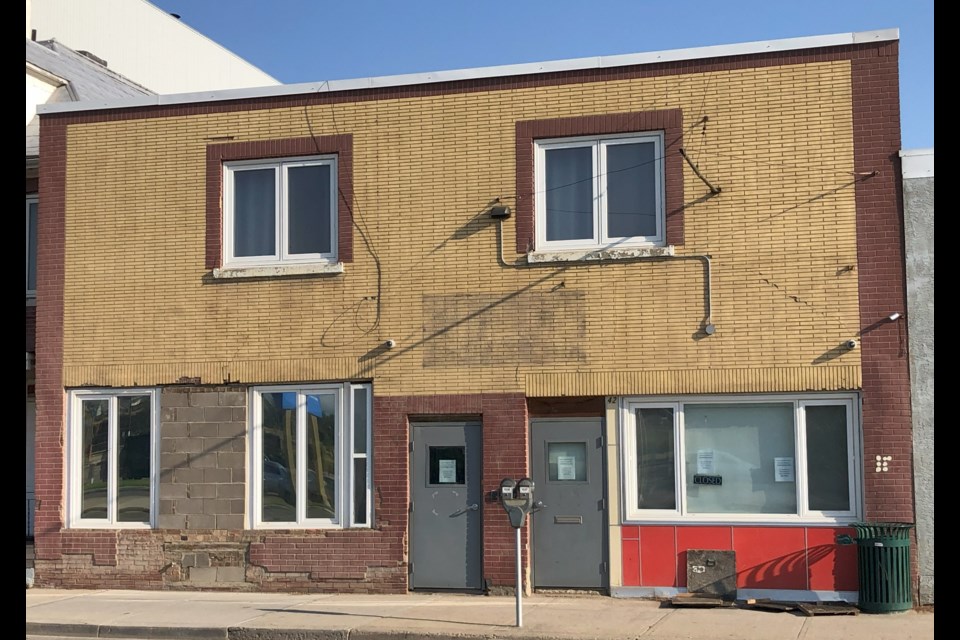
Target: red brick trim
[(680, 67), (670, 121), (505, 447), (49, 331), (588, 406), (217, 154), (887, 428)]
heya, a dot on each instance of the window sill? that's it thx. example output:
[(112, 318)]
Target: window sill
[(598, 254), (278, 270), (31, 300)]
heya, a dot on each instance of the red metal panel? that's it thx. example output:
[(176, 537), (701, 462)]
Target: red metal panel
[(658, 556), (631, 563), (698, 537), (770, 557), (629, 533), (831, 567)]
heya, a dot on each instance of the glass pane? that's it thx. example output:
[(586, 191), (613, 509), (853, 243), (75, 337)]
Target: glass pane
[(254, 212), (94, 459), (279, 420), (321, 456), (308, 209), (133, 459), (569, 193), (32, 246), (447, 465), (828, 474), (656, 459), (360, 420), (631, 190), (566, 461), (360, 491), (751, 448)]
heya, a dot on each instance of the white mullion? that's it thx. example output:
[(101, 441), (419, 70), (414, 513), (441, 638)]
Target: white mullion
[(334, 202), (112, 515), (661, 181), (256, 463), (368, 467), (800, 459), (301, 455), (599, 193), (279, 210), (853, 456), (680, 467), (351, 444), (339, 443)]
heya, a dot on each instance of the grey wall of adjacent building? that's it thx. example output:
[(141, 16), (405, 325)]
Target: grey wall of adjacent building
[(917, 166)]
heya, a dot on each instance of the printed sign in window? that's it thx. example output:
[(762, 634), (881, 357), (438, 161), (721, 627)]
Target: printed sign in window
[(567, 461), (705, 465), (447, 465), (783, 469), (448, 472), (566, 468)]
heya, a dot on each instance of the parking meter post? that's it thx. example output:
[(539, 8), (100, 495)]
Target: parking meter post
[(519, 584)]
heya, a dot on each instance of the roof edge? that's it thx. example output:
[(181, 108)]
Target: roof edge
[(572, 64)]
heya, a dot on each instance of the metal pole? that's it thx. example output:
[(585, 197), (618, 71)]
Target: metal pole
[(519, 584)]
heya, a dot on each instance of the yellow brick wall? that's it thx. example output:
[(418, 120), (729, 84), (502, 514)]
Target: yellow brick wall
[(140, 307)]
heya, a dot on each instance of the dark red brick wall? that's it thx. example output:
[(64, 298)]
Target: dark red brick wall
[(592, 406), (887, 418), (49, 452), (217, 154), (887, 426), (670, 121), (31, 321)]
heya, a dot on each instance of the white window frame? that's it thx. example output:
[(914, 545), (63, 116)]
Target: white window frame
[(601, 239), (343, 451), (75, 458), (31, 199), (281, 255), (632, 515)]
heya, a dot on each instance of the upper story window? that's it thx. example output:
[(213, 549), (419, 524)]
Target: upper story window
[(280, 212), (111, 463), (31, 246), (600, 191), (733, 459)]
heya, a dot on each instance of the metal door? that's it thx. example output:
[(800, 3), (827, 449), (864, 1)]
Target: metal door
[(446, 507), (569, 532)]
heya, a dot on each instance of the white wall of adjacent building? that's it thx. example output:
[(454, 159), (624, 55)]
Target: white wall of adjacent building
[(144, 43)]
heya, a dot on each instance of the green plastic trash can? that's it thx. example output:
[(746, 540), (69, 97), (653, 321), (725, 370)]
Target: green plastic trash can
[(883, 566)]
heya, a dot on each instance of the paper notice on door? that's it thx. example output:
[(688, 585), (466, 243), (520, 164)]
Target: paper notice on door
[(783, 469), (566, 468), (705, 462), (448, 472)]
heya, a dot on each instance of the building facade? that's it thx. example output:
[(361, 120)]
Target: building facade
[(297, 338)]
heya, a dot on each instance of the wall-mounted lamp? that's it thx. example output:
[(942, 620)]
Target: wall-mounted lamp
[(850, 344), (893, 316), (390, 344), (500, 212)]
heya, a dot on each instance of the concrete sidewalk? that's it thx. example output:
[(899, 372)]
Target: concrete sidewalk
[(259, 616)]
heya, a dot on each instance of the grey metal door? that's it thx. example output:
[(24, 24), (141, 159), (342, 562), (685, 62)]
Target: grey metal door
[(446, 511), (569, 532)]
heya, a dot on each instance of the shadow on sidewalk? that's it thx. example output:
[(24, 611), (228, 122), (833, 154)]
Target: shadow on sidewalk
[(372, 615)]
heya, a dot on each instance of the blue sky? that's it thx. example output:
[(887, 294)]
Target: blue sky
[(311, 40)]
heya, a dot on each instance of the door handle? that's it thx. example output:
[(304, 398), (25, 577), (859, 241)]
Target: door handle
[(472, 507), (538, 506)]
